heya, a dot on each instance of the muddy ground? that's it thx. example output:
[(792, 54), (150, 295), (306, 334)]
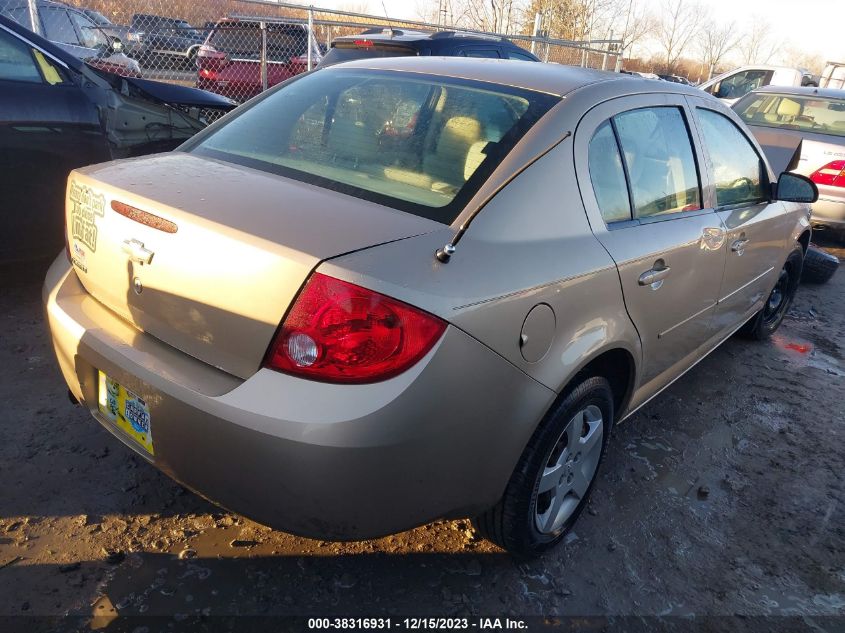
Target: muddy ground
[(722, 497)]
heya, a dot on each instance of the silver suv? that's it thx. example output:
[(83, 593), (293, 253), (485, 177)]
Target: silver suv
[(409, 288)]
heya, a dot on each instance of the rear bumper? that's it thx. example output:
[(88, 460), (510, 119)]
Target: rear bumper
[(829, 212), (319, 460)]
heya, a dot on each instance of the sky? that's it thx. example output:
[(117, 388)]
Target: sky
[(813, 26)]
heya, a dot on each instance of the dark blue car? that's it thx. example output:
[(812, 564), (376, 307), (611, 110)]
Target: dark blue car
[(58, 113)]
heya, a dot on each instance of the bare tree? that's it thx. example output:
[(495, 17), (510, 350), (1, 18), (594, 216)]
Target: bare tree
[(638, 24), (496, 16), (798, 58), (715, 42), (678, 24), (755, 45)]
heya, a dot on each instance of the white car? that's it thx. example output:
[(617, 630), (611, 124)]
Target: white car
[(733, 85)]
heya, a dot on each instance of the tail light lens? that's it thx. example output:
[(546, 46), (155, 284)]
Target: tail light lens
[(832, 174), (339, 332)]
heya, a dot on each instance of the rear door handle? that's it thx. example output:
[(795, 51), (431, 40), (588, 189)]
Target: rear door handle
[(654, 276), (136, 251)]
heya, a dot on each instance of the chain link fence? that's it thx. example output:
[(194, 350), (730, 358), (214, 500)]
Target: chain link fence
[(236, 48)]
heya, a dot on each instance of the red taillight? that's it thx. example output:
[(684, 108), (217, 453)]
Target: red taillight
[(364, 43), (340, 332), (832, 174)]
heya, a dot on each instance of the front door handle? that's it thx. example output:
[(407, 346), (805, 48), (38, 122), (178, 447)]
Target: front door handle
[(738, 246), (654, 276), (136, 251)]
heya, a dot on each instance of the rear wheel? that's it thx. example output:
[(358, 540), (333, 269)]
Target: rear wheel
[(769, 318), (554, 476)]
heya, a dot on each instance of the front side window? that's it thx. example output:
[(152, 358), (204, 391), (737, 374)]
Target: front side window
[(809, 113), (16, 62), (92, 36), (418, 143), (737, 168), (608, 176), (740, 84), (659, 161)]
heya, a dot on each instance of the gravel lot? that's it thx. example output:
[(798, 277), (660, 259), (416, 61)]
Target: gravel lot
[(723, 496)]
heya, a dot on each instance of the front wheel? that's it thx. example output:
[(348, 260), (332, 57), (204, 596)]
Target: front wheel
[(769, 318), (554, 476)]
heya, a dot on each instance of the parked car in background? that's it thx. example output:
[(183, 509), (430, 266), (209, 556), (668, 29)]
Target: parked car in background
[(675, 79), (435, 353), (785, 120), (833, 75), (76, 33), (735, 84), (58, 113), (229, 63), (166, 41), (390, 42), (131, 39)]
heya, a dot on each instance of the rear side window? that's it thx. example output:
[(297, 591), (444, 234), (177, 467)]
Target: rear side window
[(737, 168), (419, 143), (659, 161), (488, 53), (520, 56), (608, 176)]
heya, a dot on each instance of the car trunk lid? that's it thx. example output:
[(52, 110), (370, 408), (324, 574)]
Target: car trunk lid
[(207, 256)]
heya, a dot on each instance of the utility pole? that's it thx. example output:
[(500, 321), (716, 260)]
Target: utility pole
[(538, 24), (621, 53)]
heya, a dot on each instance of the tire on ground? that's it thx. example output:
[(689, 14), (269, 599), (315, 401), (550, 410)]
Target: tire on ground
[(819, 266)]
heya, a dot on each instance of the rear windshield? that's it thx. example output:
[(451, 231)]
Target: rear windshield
[(791, 112), (243, 40), (348, 51), (418, 143)]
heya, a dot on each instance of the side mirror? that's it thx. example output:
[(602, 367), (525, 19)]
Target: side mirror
[(794, 187)]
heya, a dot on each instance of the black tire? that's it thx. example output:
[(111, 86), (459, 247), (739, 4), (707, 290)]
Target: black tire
[(511, 523), (819, 266), (763, 324)]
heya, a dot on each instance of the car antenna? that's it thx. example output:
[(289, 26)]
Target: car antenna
[(387, 17), (444, 254)]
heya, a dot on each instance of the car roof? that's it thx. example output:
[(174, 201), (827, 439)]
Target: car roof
[(803, 91), (555, 79), (234, 20), (388, 34)]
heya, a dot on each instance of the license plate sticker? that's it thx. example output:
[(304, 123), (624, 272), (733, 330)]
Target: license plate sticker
[(126, 410)]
